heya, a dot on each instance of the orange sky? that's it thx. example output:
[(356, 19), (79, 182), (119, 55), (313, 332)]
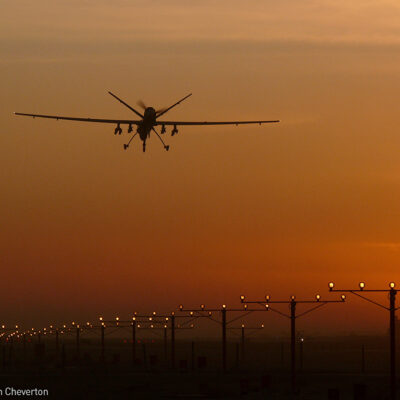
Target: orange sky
[(89, 229)]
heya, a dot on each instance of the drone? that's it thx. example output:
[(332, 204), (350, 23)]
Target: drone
[(147, 123)]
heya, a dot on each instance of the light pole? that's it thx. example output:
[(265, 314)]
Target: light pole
[(207, 313), (243, 329), (392, 325), (156, 322), (292, 317)]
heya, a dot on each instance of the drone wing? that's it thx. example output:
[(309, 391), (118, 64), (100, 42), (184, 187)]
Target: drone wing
[(100, 120), (177, 123)]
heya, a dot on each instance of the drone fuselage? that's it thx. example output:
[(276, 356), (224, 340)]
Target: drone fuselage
[(147, 124)]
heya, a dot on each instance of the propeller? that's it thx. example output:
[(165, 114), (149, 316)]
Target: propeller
[(161, 110), (141, 104)]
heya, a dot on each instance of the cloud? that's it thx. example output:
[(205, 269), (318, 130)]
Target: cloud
[(286, 20), (393, 246)]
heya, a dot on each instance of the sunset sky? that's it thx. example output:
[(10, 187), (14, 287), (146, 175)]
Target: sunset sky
[(89, 229)]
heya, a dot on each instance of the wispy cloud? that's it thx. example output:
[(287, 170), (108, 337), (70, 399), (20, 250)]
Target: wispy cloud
[(393, 246), (373, 21)]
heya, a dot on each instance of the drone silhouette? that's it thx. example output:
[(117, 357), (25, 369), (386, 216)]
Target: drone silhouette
[(147, 122)]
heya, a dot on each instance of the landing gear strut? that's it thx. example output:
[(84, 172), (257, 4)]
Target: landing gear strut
[(166, 147), (130, 140)]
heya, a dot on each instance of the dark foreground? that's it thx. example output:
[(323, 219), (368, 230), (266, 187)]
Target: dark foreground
[(344, 369)]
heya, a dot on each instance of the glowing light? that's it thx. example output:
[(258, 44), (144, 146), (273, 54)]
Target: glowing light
[(318, 297), (224, 306), (362, 285), (267, 297), (242, 297), (392, 285), (331, 285), (292, 297), (343, 297)]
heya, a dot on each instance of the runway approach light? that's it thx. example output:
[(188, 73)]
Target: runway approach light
[(392, 285), (343, 297), (101, 318), (292, 297), (362, 285), (223, 306), (318, 297), (202, 306), (262, 326), (245, 306), (331, 285), (181, 307), (267, 297), (242, 297), (267, 307), (242, 325)]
